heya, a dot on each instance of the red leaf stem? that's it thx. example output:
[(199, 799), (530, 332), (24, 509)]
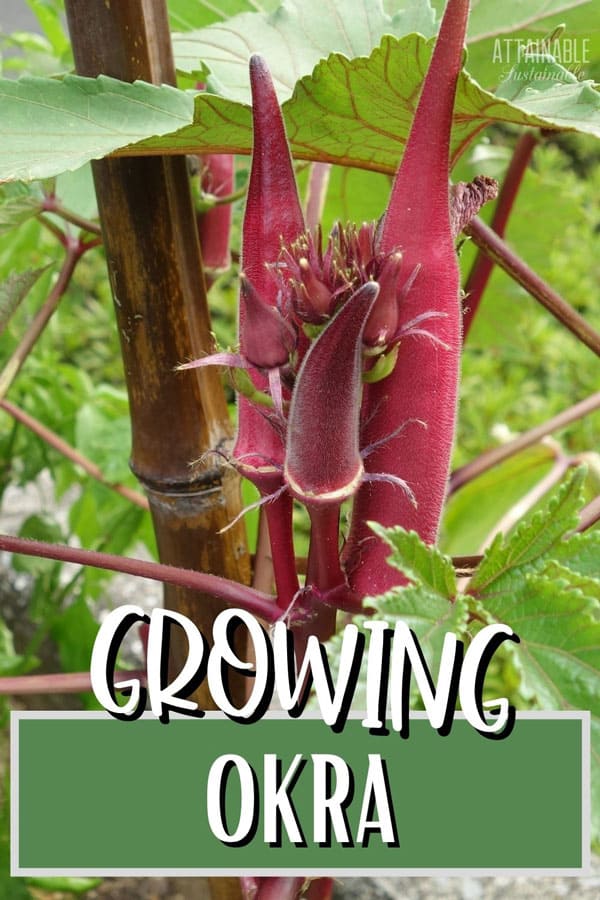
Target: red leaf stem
[(483, 265), (261, 605)]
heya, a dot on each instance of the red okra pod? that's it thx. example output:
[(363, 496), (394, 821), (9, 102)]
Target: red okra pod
[(273, 216), (423, 385)]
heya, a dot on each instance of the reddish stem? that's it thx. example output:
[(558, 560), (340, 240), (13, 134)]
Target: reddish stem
[(75, 250), (589, 515), (279, 518), (279, 888), (319, 889), (262, 560), (323, 567), (63, 683), (323, 572), (496, 455), (53, 440), (483, 265), (247, 598), (492, 245), (51, 204)]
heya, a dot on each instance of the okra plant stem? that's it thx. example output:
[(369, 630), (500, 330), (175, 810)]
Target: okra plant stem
[(247, 598), (483, 265), (499, 251), (57, 443), (496, 455)]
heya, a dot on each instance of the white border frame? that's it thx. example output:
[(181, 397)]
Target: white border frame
[(17, 871)]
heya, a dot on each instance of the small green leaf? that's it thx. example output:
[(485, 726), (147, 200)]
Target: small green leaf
[(558, 624), (38, 528), (47, 13), (13, 290), (467, 521), (535, 537), (581, 553), (542, 87), (420, 563), (427, 613), (11, 662), (75, 631), (18, 203), (103, 434)]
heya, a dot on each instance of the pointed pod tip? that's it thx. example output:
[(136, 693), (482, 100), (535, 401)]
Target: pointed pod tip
[(259, 68)]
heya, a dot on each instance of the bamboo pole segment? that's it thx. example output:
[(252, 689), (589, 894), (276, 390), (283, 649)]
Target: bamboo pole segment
[(156, 276)]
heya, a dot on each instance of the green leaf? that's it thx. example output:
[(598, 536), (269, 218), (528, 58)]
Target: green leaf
[(547, 588), (491, 55), (52, 126), (186, 16), (369, 101), (485, 20), (468, 522), (292, 39), (48, 13), (11, 662), (558, 624), (534, 538), (420, 563), (581, 553), (13, 290), (542, 87), (103, 433), (18, 203), (294, 36), (76, 192), (39, 527), (75, 631), (427, 613)]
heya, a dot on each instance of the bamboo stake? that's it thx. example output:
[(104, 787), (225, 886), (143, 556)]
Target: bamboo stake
[(155, 269)]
